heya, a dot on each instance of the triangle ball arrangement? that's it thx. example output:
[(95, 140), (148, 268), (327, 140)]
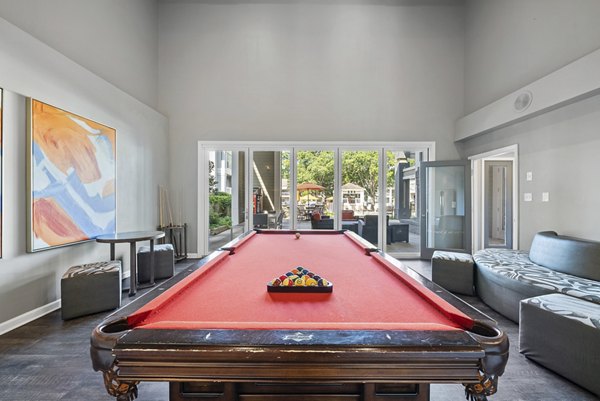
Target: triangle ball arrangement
[(299, 279)]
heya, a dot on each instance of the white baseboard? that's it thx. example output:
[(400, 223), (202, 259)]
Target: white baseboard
[(194, 256), (27, 317)]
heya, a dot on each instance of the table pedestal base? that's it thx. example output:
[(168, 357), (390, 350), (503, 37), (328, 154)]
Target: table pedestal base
[(218, 391)]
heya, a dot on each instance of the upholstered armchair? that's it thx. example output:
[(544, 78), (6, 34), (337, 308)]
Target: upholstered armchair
[(320, 222), (369, 230)]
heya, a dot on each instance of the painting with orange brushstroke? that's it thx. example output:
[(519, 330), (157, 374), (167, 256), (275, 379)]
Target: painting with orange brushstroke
[(72, 180), (1, 175)]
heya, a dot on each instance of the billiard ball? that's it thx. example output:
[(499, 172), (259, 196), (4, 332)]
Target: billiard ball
[(276, 282), (311, 282), (322, 283), (297, 235)]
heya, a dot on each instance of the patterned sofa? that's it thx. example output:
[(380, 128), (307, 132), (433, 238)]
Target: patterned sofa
[(554, 264)]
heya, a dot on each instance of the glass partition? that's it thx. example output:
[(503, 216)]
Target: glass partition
[(446, 206), (227, 196), (404, 226), (360, 193), (315, 189), (270, 189)]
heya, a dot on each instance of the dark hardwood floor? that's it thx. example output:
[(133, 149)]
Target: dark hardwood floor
[(48, 359)]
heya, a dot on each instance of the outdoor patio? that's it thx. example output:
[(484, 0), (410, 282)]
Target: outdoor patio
[(217, 241)]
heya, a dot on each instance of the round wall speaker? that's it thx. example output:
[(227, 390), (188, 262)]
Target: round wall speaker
[(523, 101)]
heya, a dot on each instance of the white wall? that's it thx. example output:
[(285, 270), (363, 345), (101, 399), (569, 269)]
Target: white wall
[(115, 39), (31, 68), (511, 43), (335, 70), (508, 45)]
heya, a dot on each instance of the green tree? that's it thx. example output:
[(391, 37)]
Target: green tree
[(285, 165), (316, 167), (362, 168), (358, 167), (212, 182)]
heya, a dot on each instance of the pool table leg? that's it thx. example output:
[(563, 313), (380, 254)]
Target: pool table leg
[(152, 262), (132, 269), (122, 390)]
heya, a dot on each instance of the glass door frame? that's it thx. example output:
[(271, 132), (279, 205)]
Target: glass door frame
[(425, 194), (203, 194), (293, 147), (263, 147)]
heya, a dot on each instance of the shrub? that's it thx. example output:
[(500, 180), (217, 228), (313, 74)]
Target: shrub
[(220, 209)]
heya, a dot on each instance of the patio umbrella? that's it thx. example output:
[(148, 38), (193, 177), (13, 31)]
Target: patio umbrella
[(308, 186)]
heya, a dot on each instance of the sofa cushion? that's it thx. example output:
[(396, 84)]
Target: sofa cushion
[(516, 265), (157, 248), (586, 313), (570, 255), (562, 333)]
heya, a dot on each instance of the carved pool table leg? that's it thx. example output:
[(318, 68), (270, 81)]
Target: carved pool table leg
[(488, 384), (122, 389)]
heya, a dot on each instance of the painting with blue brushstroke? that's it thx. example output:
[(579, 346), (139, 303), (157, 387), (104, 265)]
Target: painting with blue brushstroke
[(72, 179)]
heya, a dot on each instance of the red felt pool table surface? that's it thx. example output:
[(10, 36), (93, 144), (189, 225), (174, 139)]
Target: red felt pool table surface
[(230, 292)]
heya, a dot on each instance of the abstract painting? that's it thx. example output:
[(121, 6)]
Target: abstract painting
[(72, 174), (1, 175)]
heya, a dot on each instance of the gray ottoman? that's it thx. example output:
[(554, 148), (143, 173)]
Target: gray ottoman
[(454, 271), (90, 288), (164, 262), (562, 333)]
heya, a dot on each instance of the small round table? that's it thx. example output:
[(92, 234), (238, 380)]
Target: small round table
[(132, 237)]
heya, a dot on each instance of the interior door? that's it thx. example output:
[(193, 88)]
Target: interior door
[(445, 196)]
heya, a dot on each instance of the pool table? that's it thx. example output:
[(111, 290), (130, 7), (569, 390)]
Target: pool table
[(215, 333)]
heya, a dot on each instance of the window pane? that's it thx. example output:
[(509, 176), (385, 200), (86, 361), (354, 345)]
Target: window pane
[(226, 199), (446, 207), (270, 192), (315, 177), (401, 202), (360, 193)]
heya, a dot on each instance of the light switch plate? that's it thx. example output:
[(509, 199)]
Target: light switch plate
[(545, 197), (529, 176), (527, 197)]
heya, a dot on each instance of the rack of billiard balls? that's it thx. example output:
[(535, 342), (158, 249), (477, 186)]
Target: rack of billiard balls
[(299, 279)]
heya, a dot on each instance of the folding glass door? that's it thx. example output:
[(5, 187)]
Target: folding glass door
[(370, 189), (226, 188), (270, 189), (445, 206), (314, 193)]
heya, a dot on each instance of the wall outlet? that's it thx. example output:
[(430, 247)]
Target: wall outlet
[(545, 197), (527, 197), (529, 176)]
